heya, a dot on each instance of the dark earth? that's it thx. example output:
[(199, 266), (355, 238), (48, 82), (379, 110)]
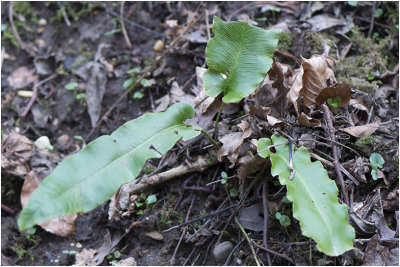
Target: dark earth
[(60, 39)]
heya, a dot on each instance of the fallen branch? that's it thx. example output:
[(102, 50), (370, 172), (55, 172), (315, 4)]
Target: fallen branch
[(135, 187), (328, 118)]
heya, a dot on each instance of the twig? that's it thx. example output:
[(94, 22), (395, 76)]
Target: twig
[(172, 261), (34, 95), (64, 14), (248, 240), (145, 73), (271, 146), (274, 252), (330, 164), (375, 22), (328, 117), (371, 25), (233, 251), (136, 25), (288, 55), (126, 36), (207, 215), (217, 120), (265, 208), (7, 209), (337, 143), (32, 52), (208, 26), (126, 190)]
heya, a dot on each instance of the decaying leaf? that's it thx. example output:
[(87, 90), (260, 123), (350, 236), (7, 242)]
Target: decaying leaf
[(342, 90), (304, 120), (154, 235), (22, 77), (250, 218), (323, 22), (379, 255), (249, 164), (363, 130), (127, 262), (62, 226), (314, 75), (232, 143), (85, 257), (280, 73), (176, 94), (16, 151)]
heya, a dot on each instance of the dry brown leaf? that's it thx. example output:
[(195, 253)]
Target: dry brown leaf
[(311, 79), (232, 143), (22, 77), (304, 120), (280, 73), (127, 262), (317, 70), (362, 131), (62, 226), (342, 90), (16, 152), (85, 257), (274, 121), (176, 94)]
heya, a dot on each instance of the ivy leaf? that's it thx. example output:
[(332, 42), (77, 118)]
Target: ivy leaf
[(376, 161), (87, 179), (314, 197), (238, 57)]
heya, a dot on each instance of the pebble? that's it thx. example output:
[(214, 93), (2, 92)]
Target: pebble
[(158, 46), (221, 251)]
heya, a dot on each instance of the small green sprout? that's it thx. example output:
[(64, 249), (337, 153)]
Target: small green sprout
[(283, 219), (151, 199), (145, 83), (138, 95), (376, 161), (224, 177), (69, 252), (334, 103), (233, 192), (370, 77), (71, 86), (128, 83), (352, 3)]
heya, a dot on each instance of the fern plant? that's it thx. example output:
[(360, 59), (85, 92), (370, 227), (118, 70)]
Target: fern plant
[(238, 57)]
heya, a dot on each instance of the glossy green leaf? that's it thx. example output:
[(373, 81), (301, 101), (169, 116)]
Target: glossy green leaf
[(314, 197), (376, 160), (238, 57), (128, 83), (90, 177), (262, 145)]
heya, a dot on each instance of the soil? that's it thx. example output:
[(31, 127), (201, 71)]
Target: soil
[(57, 112)]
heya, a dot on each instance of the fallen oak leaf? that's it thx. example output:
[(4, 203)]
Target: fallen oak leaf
[(22, 77), (304, 120), (363, 130)]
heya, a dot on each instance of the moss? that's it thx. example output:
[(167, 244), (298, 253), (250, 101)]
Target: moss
[(285, 41), (317, 40), (367, 140)]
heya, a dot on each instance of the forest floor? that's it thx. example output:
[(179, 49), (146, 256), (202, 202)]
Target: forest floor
[(66, 52)]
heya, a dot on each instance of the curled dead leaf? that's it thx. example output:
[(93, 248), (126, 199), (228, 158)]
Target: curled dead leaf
[(363, 130), (342, 90), (62, 226), (16, 152), (304, 120)]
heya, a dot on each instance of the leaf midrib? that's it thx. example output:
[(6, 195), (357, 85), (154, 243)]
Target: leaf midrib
[(102, 168), (309, 193)]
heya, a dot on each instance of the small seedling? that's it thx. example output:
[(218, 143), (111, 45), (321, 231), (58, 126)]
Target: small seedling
[(370, 77), (376, 161), (138, 95), (283, 219), (233, 192), (72, 87), (113, 258), (352, 3), (151, 199), (224, 177), (69, 252), (334, 103)]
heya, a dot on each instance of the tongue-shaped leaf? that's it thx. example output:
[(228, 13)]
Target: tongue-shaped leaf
[(238, 57), (91, 176)]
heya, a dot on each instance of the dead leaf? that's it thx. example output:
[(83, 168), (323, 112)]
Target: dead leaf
[(197, 37), (304, 120), (232, 143), (176, 94), (22, 77), (249, 164), (154, 235), (16, 152), (62, 226), (280, 73), (107, 246), (323, 22), (250, 218), (85, 257), (342, 90), (274, 121), (127, 262), (379, 255), (363, 130)]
